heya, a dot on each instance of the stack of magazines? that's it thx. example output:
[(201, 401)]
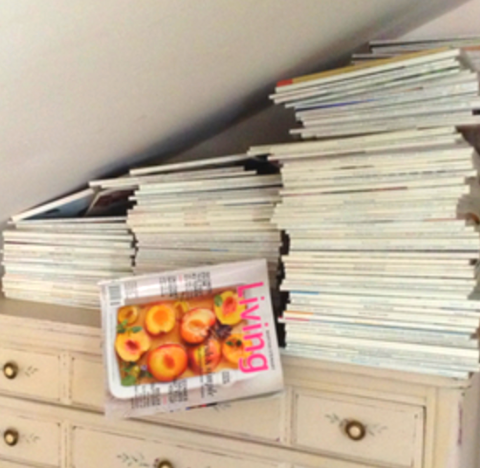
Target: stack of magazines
[(388, 48), (383, 250), (419, 90), (383, 229), (204, 212), (57, 253)]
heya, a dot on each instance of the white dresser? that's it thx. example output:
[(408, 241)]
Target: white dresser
[(330, 416)]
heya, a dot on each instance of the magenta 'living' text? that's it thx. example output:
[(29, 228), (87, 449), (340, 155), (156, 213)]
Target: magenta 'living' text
[(257, 361)]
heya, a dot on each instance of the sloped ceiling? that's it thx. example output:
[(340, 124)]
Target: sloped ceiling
[(88, 86)]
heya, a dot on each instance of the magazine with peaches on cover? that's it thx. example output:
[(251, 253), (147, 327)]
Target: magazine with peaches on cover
[(189, 338)]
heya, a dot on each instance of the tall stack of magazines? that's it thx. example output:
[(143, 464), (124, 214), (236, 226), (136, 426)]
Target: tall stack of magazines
[(382, 215), (57, 252), (204, 212)]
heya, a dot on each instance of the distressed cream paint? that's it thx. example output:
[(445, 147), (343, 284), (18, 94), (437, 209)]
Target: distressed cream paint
[(55, 401)]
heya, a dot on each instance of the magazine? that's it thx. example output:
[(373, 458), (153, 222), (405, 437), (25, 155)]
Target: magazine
[(189, 165), (358, 71), (189, 338), (72, 205)]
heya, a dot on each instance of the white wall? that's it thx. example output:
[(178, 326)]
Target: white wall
[(462, 21)]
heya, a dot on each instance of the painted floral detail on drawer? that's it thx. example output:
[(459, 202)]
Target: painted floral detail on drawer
[(134, 460), (138, 460), (31, 438), (30, 370), (334, 418), (372, 429)]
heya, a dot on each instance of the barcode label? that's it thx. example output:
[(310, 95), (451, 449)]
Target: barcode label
[(197, 283), (115, 295)]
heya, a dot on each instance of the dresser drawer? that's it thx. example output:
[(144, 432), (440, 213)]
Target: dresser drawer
[(228, 418), (32, 440), (92, 448), (30, 373), (359, 428), (235, 418), (87, 381)]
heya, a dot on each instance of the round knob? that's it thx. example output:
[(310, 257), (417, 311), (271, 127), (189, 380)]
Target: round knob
[(10, 370), (164, 464), (11, 436), (355, 430)]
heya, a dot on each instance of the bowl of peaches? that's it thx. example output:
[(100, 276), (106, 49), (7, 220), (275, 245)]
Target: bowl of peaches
[(163, 341)]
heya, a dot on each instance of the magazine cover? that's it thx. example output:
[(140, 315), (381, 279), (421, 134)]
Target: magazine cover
[(189, 338)]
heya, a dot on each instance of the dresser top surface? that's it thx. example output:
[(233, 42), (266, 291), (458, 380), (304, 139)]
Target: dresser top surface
[(86, 322), (49, 312)]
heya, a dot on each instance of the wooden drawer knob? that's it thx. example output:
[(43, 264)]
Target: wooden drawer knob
[(164, 464), (11, 436), (10, 370), (355, 430)]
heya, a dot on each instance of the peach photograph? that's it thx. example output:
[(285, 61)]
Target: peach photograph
[(162, 341)]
